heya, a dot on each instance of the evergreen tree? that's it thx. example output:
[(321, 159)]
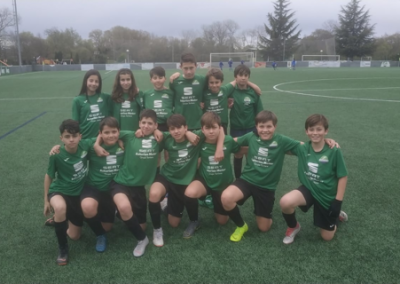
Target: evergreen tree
[(354, 34), (281, 40)]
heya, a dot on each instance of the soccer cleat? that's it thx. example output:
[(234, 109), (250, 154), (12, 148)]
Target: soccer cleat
[(141, 247), (62, 258), (343, 217), (50, 222), (101, 243), (191, 228), (291, 234), (158, 240), (239, 232)]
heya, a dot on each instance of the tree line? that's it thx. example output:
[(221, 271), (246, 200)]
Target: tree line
[(351, 36)]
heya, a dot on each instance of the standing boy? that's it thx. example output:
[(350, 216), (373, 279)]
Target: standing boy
[(221, 64), (230, 64)]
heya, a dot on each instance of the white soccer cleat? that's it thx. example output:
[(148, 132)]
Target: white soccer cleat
[(291, 234), (158, 240), (141, 247)]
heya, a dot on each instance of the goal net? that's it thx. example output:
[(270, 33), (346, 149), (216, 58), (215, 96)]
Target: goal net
[(320, 57), (237, 58)]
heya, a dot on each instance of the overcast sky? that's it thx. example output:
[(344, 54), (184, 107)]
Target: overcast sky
[(170, 17)]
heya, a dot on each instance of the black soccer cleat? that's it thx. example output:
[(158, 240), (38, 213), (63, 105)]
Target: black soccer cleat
[(62, 258)]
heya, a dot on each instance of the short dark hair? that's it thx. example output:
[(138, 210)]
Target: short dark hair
[(188, 58), (265, 116), (241, 70), (158, 71), (176, 120), (89, 73), (72, 126), (109, 121), (209, 118), (216, 73), (148, 113), (315, 119)]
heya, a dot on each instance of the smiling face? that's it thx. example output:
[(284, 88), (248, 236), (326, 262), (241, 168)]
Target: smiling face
[(158, 82), (214, 84), (266, 130), (316, 133), (147, 125), (92, 84), (178, 133), (109, 135), (125, 81)]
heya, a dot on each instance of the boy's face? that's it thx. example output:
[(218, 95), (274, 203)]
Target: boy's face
[(158, 82), (211, 132), (125, 81), (92, 84), (316, 133), (266, 130), (147, 125), (109, 135), (214, 84), (188, 69), (242, 80), (70, 141), (178, 133)]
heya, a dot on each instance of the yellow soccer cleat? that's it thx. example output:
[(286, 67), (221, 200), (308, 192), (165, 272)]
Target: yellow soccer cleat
[(239, 232)]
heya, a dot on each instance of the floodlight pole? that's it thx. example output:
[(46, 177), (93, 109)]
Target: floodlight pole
[(284, 49), (17, 32)]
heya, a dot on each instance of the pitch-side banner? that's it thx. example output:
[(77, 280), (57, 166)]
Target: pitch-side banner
[(324, 64), (365, 64), (259, 64), (117, 66), (203, 65), (86, 67)]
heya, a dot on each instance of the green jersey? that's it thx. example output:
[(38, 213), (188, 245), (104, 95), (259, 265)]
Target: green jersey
[(247, 104), (320, 171), (103, 169), (89, 111), (218, 102), (182, 162), (217, 175), (139, 167), (161, 101), (265, 159), (188, 96), (127, 112), (68, 171)]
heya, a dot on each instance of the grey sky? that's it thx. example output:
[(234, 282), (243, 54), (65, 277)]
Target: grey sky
[(169, 18)]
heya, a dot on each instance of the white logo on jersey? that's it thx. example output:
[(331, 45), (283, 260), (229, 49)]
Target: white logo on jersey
[(195, 82), (246, 101), (111, 159), (274, 144), (313, 167), (94, 108), (220, 94), (263, 151), (182, 153), (158, 104), (187, 91), (203, 148), (99, 100), (66, 159), (214, 102), (165, 96), (323, 160), (126, 104), (78, 166), (212, 161), (152, 95), (146, 143), (83, 155), (180, 82)]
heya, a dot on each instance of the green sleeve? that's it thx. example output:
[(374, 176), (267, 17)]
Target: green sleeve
[(244, 140), (229, 88), (51, 169), (259, 107), (166, 134), (125, 134), (297, 150), (341, 170), (201, 135), (289, 144), (140, 100), (204, 82), (233, 145), (75, 109)]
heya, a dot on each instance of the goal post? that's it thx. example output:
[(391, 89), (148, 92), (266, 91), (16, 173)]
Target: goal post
[(320, 57), (248, 59)]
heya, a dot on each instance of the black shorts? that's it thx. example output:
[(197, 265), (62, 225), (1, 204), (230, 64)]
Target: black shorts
[(321, 214), (216, 197), (263, 199), (163, 127), (176, 193), (106, 207), (74, 210), (137, 198)]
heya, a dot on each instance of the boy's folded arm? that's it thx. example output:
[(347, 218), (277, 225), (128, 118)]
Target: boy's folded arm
[(193, 138), (98, 149), (254, 87)]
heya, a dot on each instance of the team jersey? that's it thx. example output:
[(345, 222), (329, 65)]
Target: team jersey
[(127, 112), (188, 96), (247, 104), (139, 167), (161, 101), (218, 102), (89, 111), (68, 171), (182, 161), (217, 175), (320, 171), (102, 170), (265, 158)]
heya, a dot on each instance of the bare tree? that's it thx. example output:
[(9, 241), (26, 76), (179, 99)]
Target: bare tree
[(6, 20)]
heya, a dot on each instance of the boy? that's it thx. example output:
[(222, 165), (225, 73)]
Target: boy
[(261, 174), (62, 193), (247, 104), (221, 65), (294, 64), (138, 170), (230, 64), (174, 177), (323, 176), (188, 89), (213, 176), (274, 65)]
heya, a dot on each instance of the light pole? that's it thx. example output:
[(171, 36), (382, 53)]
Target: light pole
[(127, 54), (321, 53)]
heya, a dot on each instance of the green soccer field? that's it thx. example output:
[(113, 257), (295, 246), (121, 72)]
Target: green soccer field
[(362, 106)]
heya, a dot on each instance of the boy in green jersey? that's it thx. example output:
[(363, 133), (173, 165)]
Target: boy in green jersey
[(175, 176), (247, 104), (323, 177), (139, 169), (213, 176), (63, 184)]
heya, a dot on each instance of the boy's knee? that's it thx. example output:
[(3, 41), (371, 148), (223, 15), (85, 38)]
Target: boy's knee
[(74, 235), (155, 196), (60, 208), (327, 235), (264, 227), (285, 203), (89, 208), (125, 209)]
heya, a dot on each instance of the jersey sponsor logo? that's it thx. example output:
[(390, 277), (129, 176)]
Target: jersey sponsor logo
[(119, 152), (94, 108), (220, 94), (212, 160), (263, 151), (78, 166), (213, 102), (111, 159), (182, 153), (246, 101), (313, 167), (158, 104), (99, 100), (146, 143), (165, 96), (83, 155), (195, 82), (126, 104), (187, 91), (209, 94), (274, 144), (152, 95), (180, 82), (323, 160)]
